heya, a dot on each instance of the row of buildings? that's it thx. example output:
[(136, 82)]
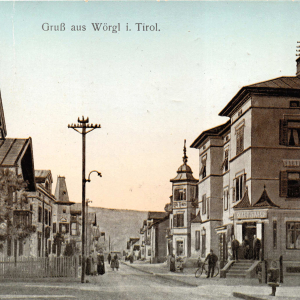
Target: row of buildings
[(37, 223), (248, 185)]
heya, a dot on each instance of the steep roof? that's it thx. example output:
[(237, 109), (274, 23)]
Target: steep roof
[(265, 201), (41, 175), (197, 219), (18, 153), (285, 85), (184, 172), (61, 192), (212, 132)]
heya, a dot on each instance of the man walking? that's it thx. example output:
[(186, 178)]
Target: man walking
[(235, 248), (212, 260)]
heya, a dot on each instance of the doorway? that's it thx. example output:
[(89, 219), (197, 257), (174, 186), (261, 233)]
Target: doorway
[(249, 231)]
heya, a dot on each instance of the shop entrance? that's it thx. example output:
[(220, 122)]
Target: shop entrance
[(249, 231)]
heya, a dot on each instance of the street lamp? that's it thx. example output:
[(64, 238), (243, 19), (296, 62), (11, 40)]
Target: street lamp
[(89, 180), (85, 127)]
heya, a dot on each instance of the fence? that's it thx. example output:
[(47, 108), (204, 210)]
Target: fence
[(38, 267)]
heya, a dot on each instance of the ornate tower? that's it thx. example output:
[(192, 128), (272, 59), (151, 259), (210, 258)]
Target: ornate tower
[(184, 196)]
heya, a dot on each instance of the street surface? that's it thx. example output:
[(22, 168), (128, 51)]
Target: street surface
[(135, 282)]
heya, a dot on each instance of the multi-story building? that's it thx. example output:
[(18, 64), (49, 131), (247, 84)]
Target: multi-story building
[(41, 204), (250, 173), (182, 210)]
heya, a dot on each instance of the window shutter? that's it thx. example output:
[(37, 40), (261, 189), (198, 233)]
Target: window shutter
[(283, 186), (176, 194), (283, 132), (175, 221)]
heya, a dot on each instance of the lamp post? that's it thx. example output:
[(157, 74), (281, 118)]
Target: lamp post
[(85, 127)]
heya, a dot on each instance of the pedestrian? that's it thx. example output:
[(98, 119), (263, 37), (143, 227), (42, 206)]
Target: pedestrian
[(172, 263), (235, 248), (256, 247), (112, 263), (116, 259), (212, 260), (246, 246), (131, 258), (100, 264), (109, 258)]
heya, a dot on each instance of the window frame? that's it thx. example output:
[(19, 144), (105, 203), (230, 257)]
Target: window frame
[(293, 237)]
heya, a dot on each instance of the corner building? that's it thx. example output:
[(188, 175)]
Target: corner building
[(249, 181)]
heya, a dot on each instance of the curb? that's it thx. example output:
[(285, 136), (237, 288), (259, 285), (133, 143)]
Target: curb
[(247, 297), (166, 277)]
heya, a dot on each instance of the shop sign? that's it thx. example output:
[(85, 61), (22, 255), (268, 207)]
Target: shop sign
[(251, 214)]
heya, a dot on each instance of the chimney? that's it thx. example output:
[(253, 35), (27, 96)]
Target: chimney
[(298, 67)]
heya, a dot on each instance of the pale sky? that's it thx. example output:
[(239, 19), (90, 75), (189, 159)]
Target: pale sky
[(148, 90)]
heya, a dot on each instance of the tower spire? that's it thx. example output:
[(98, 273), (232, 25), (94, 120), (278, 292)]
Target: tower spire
[(185, 158)]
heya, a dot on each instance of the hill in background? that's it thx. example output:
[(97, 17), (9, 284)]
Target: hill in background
[(119, 225)]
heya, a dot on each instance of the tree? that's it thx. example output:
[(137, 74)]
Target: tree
[(15, 217)]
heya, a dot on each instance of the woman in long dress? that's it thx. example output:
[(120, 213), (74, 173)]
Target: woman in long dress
[(100, 264)]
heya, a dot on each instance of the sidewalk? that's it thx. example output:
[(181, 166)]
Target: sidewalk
[(240, 288)]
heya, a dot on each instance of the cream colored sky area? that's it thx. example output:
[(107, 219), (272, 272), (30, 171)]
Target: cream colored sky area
[(149, 90)]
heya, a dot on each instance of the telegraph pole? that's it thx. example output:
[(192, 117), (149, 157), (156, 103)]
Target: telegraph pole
[(83, 124)]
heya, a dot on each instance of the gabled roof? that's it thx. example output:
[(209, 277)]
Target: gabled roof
[(244, 203), (18, 153), (212, 132), (285, 85), (197, 219), (41, 175), (265, 201)]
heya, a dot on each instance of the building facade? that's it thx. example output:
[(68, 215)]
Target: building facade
[(250, 173)]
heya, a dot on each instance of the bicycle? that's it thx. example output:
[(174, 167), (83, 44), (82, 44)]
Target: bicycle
[(203, 270)]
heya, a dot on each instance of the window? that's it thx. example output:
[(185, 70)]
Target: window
[(239, 187), (289, 133), (290, 184), (63, 227), (64, 210), (203, 204), (275, 234), (293, 235), (50, 218), (179, 194), (49, 247), (39, 245), (208, 209), (46, 216), (197, 240), (225, 164), (9, 247), (203, 242), (239, 140), (179, 248), (21, 241), (40, 214), (149, 252), (203, 168), (225, 198), (178, 220), (74, 229), (54, 227)]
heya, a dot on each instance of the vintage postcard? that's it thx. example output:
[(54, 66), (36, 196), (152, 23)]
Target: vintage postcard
[(149, 149)]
